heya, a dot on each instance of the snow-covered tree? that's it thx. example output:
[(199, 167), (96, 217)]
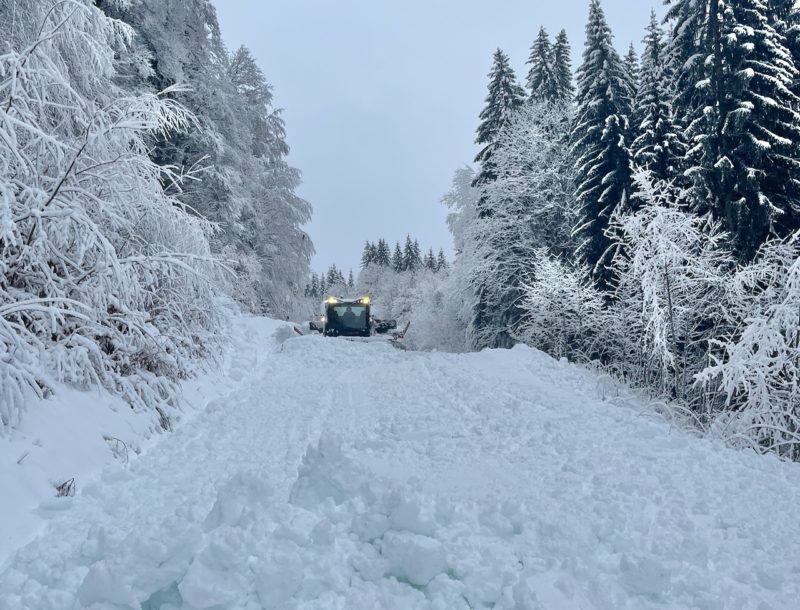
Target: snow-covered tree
[(462, 201), (412, 257), (441, 261), (742, 121), (672, 272), (368, 255), (104, 276), (536, 176), (562, 71), (542, 83), (398, 263), (504, 97), (237, 145), (631, 67), (532, 207), (603, 172), (429, 261), (383, 255), (656, 146)]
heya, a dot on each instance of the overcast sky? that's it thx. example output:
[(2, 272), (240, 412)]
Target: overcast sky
[(381, 98)]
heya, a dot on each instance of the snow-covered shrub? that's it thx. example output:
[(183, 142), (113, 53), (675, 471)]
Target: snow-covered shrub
[(758, 367), (563, 311), (438, 319), (103, 276)]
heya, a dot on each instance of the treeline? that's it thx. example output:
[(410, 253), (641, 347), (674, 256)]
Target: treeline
[(143, 175), (332, 283), (408, 258), (645, 217)]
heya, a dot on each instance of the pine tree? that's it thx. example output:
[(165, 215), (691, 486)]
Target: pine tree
[(562, 71), (441, 261), (351, 282), (316, 292), (542, 84), (743, 124), (599, 143), (398, 263), (505, 95), (656, 146)]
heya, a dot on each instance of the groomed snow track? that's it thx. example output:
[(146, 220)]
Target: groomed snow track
[(342, 475)]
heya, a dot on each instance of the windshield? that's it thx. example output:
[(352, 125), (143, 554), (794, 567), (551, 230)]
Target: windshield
[(348, 315)]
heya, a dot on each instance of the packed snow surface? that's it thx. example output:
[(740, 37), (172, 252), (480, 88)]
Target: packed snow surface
[(342, 475)]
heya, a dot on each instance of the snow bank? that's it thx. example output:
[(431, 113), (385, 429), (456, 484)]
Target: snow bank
[(75, 436)]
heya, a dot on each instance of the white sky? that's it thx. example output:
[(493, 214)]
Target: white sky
[(382, 97)]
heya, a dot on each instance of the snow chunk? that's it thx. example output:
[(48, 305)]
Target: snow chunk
[(412, 557), (101, 587)]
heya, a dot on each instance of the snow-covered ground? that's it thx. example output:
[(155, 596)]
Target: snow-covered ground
[(329, 474)]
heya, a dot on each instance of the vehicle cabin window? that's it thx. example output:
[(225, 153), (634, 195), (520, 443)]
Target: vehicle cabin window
[(354, 316)]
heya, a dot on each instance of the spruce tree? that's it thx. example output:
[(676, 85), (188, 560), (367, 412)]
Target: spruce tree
[(383, 256), (368, 255), (351, 282), (603, 172), (333, 276), (562, 70), (417, 254), (430, 260), (784, 16), (656, 146), (505, 95), (743, 124), (504, 98), (412, 259), (397, 259), (542, 84), (632, 73)]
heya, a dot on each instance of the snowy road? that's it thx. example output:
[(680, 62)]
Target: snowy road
[(357, 476)]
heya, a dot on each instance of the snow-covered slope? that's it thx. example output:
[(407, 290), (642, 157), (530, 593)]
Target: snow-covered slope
[(331, 474)]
